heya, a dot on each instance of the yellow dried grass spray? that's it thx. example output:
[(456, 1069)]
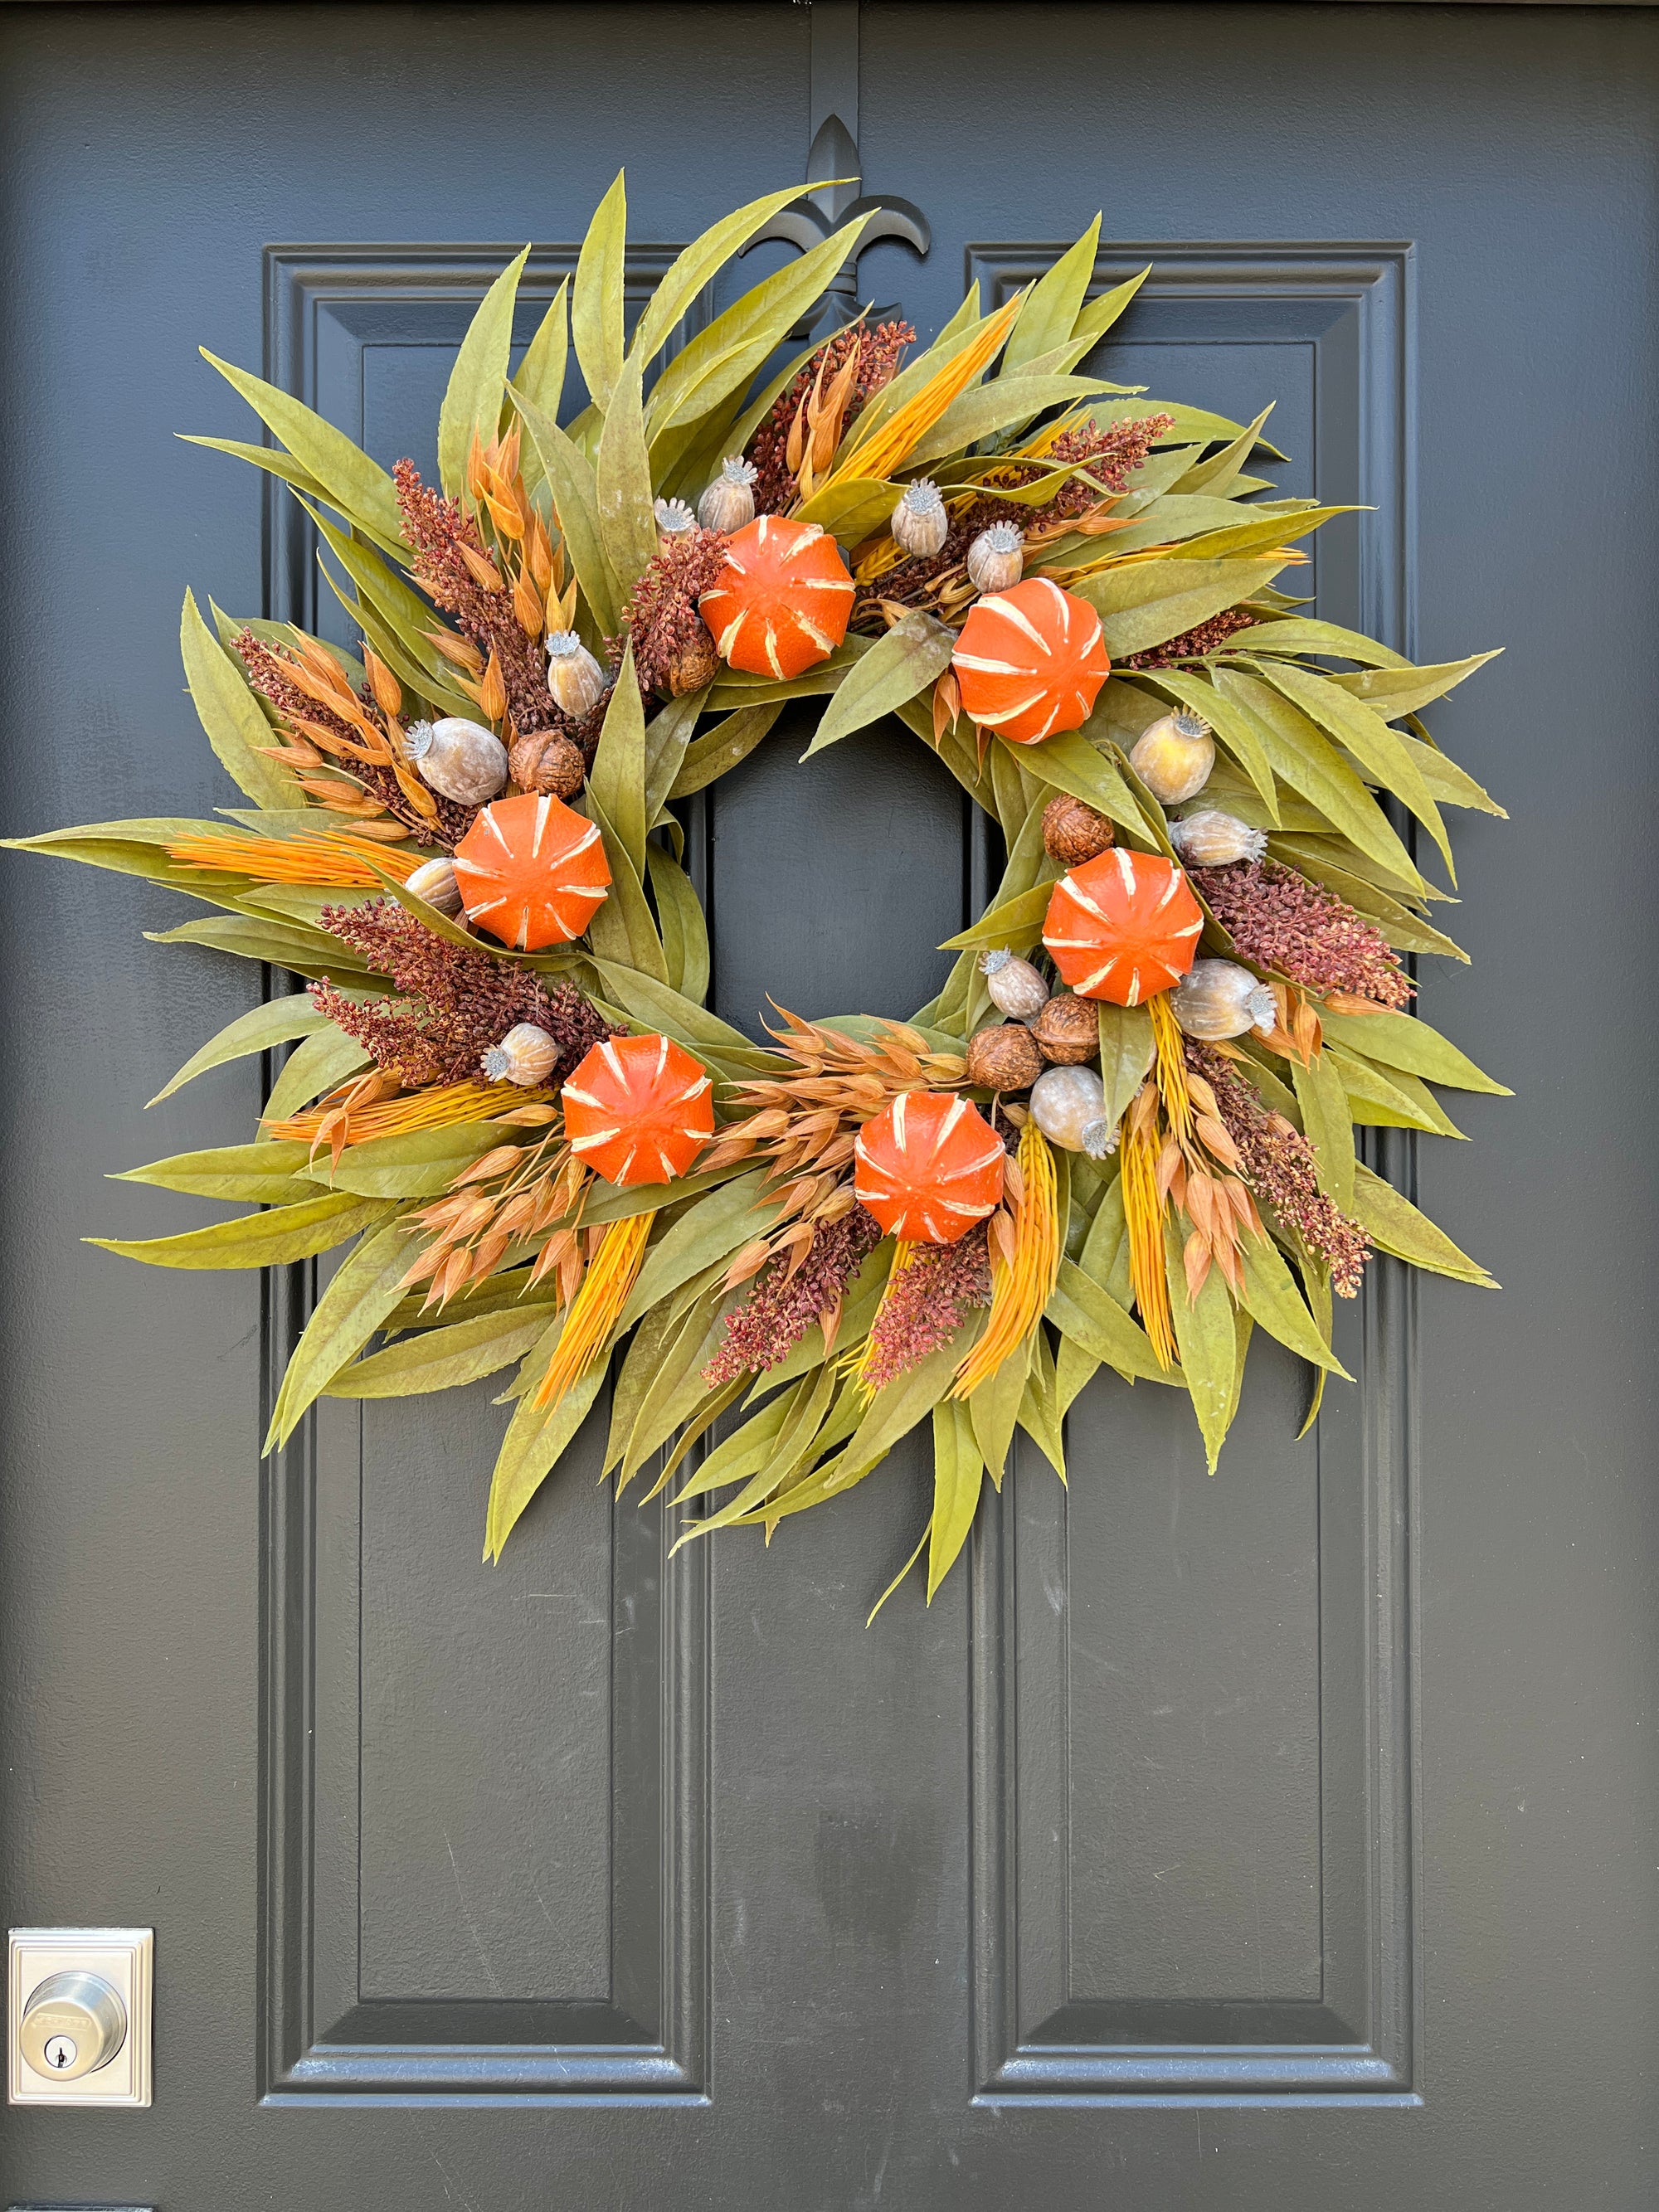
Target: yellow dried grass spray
[(1020, 1289), (596, 1307)]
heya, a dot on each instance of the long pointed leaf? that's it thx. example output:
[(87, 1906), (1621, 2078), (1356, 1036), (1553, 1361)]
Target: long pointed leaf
[(628, 528), (1052, 305), (472, 402), (268, 1239), (1271, 1296), (1394, 1225), (264, 1175), (445, 1359), (235, 723), (900, 664), (536, 1436), (721, 360), (959, 1477), (617, 779), (576, 505), (596, 304), (698, 265), (321, 1061), (1406, 1041), (1379, 749), (1304, 758), (1327, 1126), (367, 1286), (1150, 601), (273, 1022), (540, 377), (359, 487), (1208, 1342), (1082, 1311)]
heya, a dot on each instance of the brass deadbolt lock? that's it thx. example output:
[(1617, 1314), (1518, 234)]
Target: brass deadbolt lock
[(72, 2025)]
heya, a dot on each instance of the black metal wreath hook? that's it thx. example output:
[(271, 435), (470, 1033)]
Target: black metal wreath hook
[(824, 208)]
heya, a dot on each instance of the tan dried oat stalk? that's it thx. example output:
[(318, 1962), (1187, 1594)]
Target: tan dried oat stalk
[(805, 1123), (1196, 1164), (515, 1192)]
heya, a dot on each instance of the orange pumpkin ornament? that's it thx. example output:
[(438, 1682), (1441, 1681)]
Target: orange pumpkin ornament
[(1123, 927), (782, 601), (928, 1167), (638, 1109), (1030, 661), (532, 872)]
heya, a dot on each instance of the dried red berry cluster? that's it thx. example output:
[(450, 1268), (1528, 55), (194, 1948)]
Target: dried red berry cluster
[(1208, 637), (778, 1312), (927, 1304), (1277, 1164), (465, 999), (1280, 919), (661, 617)]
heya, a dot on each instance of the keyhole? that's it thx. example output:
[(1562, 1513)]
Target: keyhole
[(60, 2052)]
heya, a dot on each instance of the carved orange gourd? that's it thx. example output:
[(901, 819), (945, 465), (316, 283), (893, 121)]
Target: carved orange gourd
[(781, 602), (928, 1167), (532, 872), (1030, 661), (1123, 927), (639, 1110)]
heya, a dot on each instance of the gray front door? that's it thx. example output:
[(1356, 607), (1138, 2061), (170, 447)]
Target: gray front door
[(1281, 1840)]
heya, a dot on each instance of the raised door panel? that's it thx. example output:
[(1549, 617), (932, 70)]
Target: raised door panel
[(1191, 1761), (487, 1854)]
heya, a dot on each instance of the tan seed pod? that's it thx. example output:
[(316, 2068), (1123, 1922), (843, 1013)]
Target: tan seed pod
[(693, 664), (483, 571), (1069, 1105), (1003, 1058), (574, 679), (729, 502), (1211, 839), (920, 523), (434, 881), (1173, 757), (1068, 1031), (526, 1054), (1219, 999), (461, 760), (528, 606), (1015, 987), (492, 692), (545, 762), (996, 558), (1073, 832), (388, 693)]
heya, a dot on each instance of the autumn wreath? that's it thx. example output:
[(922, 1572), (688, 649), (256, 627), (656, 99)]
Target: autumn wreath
[(1122, 1134)]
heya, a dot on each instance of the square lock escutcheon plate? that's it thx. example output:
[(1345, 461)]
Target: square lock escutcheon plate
[(78, 2016)]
